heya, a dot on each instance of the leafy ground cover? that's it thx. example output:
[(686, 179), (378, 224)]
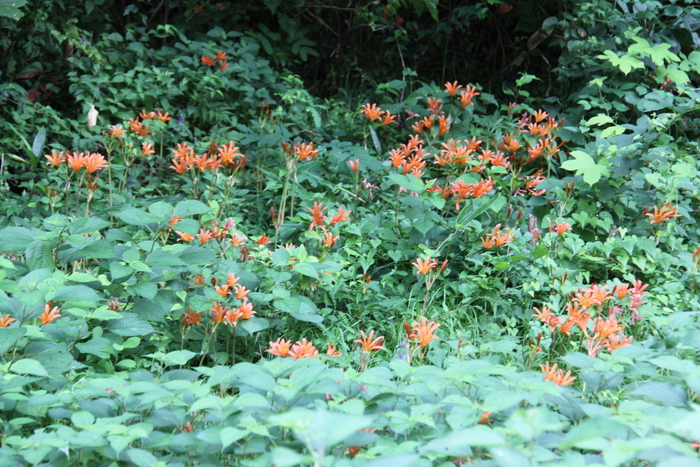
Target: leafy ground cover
[(211, 266)]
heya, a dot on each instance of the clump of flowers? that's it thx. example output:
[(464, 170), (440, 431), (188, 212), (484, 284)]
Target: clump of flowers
[(210, 61), (498, 237), (607, 332), (557, 376), (301, 349)]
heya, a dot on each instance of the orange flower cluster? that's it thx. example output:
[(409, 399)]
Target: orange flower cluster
[(409, 158), (426, 265), (426, 124), (6, 320), (667, 212), (92, 162), (214, 232), (301, 349), (531, 181), (454, 153), (49, 314), (138, 128), (460, 190), (465, 97), (557, 376), (212, 61), (375, 113), (498, 237), (155, 115), (227, 156), (318, 219), (219, 313), (607, 333)]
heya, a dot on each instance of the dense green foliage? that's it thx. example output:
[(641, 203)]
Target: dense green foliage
[(270, 234)]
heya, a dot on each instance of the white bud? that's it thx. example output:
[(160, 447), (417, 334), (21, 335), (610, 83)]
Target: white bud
[(92, 116)]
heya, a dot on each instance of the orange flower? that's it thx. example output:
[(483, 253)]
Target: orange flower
[(303, 349), (241, 291), (424, 332), (207, 60), (424, 265), (117, 131), (317, 215), (388, 118), (184, 237), (306, 152), (482, 187), (452, 88), (204, 236), (279, 347), (246, 309), (192, 318), (340, 216), (55, 158), (606, 328), (560, 228), (163, 117), (220, 55), (332, 351), (557, 376), (467, 95), (76, 160), (444, 125), (329, 239), (223, 65), (232, 316), (368, 344), (198, 280), (617, 341), (354, 165), (222, 290), (264, 240), (6, 320), (371, 111), (237, 239), (147, 149), (484, 418), (666, 212), (231, 279), (218, 313), (547, 317), (434, 105), (49, 314), (94, 162), (622, 290)]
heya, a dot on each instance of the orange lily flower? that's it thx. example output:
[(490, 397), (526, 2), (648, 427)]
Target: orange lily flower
[(424, 265), (117, 131), (241, 291), (560, 228), (220, 55), (303, 349), (264, 240), (218, 313), (49, 314), (467, 95), (329, 239), (332, 351), (279, 347), (192, 318), (424, 332), (207, 60), (306, 152), (388, 118), (371, 111), (452, 88), (340, 216), (369, 344), (666, 212), (94, 162), (354, 165), (6, 320), (317, 215), (184, 236), (55, 158), (246, 309)]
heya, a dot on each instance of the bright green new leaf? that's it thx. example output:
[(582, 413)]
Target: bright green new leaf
[(584, 165)]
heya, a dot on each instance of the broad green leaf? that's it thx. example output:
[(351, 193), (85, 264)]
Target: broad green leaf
[(83, 419), (584, 165), (10, 8), (663, 393), (375, 140), (39, 139), (230, 435), (591, 433), (10, 335), (600, 119), (77, 293), (300, 307), (409, 182), (16, 238), (138, 217), (28, 366), (143, 458), (190, 207), (130, 325), (39, 255), (305, 269)]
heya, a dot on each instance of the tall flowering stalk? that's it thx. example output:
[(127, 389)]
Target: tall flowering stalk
[(293, 154), (430, 271)]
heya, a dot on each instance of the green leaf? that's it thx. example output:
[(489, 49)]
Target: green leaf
[(230, 435), (663, 393), (143, 458), (591, 433), (190, 207), (39, 255), (130, 325), (76, 293), (10, 8), (28, 366), (300, 307), (138, 217), (584, 165), (10, 335), (375, 140), (306, 269), (600, 119), (409, 182), (38, 144), (16, 238)]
